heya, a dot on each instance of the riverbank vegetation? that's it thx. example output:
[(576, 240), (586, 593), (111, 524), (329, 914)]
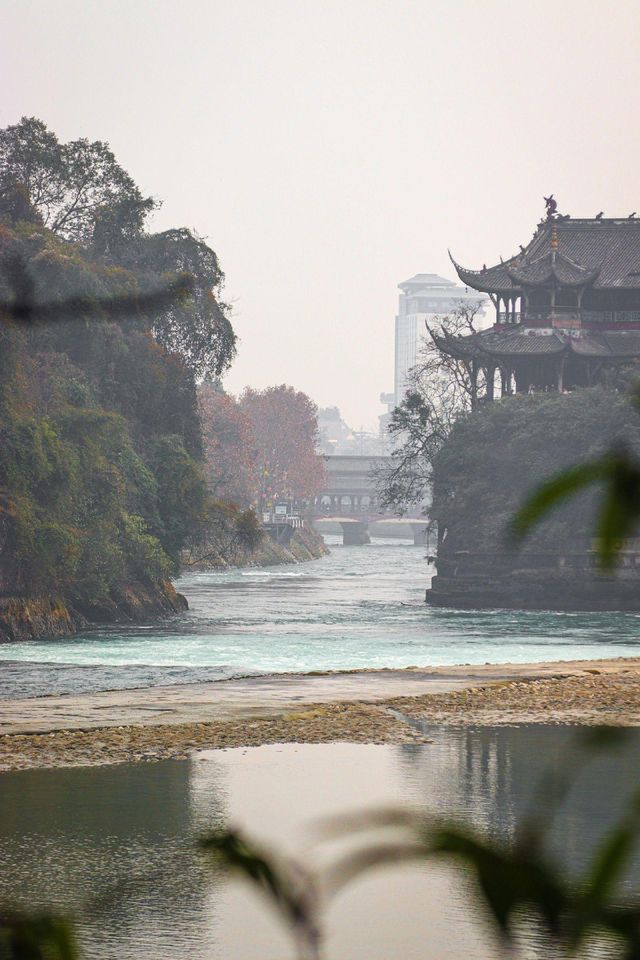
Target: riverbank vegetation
[(105, 330), (494, 458)]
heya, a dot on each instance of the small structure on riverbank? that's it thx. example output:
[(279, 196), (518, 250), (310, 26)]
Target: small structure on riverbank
[(567, 308)]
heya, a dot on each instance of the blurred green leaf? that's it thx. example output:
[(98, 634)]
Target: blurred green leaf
[(37, 937), (288, 887), (619, 514), (551, 493), (620, 510)]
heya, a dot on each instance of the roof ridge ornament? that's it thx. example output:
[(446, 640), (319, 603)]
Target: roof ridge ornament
[(551, 206)]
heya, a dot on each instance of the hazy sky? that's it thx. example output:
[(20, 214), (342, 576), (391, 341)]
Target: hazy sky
[(328, 149)]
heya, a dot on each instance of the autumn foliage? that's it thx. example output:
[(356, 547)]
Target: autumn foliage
[(229, 446), (261, 449)]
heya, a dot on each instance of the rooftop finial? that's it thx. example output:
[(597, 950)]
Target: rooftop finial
[(551, 205)]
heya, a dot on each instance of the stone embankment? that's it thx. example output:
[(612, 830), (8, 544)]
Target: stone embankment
[(535, 581), (357, 707)]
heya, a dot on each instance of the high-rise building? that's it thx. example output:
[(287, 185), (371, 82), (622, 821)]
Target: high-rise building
[(423, 298)]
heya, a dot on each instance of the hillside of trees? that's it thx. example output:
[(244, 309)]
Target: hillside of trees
[(494, 458), (101, 476)]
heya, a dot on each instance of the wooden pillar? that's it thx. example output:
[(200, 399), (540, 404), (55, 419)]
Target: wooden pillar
[(474, 384), (561, 375), (490, 376)]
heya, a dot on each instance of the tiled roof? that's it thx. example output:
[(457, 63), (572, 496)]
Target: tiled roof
[(501, 344), (604, 252), (490, 279), (515, 342), (537, 272), (622, 343), (519, 342)]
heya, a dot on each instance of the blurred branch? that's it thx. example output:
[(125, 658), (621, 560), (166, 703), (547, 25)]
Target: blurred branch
[(24, 309)]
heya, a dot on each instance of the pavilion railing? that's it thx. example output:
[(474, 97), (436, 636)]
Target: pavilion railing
[(586, 316)]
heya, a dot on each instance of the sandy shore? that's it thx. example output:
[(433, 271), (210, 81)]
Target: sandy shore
[(377, 706)]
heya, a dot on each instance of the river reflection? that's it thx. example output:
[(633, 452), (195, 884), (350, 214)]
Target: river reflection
[(114, 845)]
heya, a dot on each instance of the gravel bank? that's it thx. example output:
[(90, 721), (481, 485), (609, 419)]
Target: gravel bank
[(321, 723), (356, 708), (593, 697)]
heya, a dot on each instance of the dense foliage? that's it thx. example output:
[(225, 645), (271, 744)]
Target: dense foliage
[(78, 192), (495, 457), (229, 446), (261, 448), (101, 479)]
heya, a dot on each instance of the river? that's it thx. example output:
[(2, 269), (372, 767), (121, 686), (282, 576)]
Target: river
[(115, 845), (357, 607)]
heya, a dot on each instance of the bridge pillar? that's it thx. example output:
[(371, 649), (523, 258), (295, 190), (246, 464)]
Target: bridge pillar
[(419, 534), (355, 533)]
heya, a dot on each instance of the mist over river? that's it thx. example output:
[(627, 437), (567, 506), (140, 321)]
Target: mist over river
[(358, 607)]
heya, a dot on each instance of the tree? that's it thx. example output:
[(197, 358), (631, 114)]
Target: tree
[(197, 326), (77, 189), (285, 427), (229, 446), (440, 390), (80, 193)]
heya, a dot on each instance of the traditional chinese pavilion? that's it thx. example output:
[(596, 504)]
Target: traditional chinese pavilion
[(567, 307)]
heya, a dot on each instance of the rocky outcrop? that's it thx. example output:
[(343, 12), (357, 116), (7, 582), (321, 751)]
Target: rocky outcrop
[(44, 618), (133, 603), (34, 618)]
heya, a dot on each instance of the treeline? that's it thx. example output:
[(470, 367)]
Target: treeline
[(111, 465), (101, 481)]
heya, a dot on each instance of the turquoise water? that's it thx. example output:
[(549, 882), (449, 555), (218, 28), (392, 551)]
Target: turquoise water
[(357, 607)]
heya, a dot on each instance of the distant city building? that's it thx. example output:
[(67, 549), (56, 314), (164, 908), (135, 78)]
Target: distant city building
[(423, 298), (336, 438)]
